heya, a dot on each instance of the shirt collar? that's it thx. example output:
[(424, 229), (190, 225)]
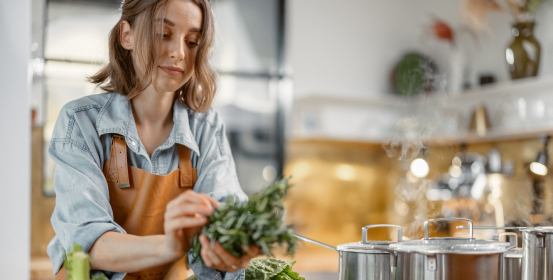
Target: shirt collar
[(116, 117)]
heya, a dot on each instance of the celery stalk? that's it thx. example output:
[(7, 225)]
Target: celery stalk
[(80, 266)]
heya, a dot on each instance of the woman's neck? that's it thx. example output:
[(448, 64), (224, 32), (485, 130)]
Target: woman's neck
[(153, 116), (152, 108)]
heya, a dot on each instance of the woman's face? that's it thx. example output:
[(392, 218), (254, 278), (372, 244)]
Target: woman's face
[(179, 44)]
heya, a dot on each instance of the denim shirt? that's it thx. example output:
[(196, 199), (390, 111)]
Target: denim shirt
[(81, 143)]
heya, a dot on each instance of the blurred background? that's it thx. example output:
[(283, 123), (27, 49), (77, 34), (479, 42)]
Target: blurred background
[(382, 112)]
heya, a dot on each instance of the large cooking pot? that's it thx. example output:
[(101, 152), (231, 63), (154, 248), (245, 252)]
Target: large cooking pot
[(449, 258), (512, 265), (364, 260), (537, 259)]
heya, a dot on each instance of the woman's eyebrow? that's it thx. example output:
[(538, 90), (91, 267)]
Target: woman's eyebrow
[(195, 29), (168, 22)]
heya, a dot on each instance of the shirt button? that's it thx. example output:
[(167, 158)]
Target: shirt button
[(133, 143)]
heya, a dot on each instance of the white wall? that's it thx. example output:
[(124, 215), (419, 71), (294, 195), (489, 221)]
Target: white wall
[(349, 47), (15, 138)]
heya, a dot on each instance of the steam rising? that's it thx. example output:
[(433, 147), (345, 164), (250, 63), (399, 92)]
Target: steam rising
[(412, 130)]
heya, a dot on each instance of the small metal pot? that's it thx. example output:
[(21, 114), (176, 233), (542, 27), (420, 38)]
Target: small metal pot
[(512, 258), (537, 261), (364, 260), (449, 258), (513, 265)]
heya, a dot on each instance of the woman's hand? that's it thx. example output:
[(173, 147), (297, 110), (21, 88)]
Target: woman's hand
[(218, 258), (184, 217)]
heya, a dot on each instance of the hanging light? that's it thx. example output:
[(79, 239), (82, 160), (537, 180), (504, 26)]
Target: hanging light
[(419, 167), (539, 167)]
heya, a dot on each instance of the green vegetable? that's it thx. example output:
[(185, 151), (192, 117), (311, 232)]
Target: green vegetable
[(99, 276), (271, 269), (237, 226), (77, 263), (268, 269)]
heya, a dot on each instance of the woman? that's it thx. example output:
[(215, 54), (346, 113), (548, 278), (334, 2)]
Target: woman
[(126, 189)]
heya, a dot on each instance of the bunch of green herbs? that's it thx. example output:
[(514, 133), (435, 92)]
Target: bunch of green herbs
[(239, 225)]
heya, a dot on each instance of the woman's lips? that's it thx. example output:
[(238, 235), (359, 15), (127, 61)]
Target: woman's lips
[(171, 71)]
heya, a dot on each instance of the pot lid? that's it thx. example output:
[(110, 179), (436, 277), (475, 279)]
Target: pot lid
[(548, 229), (371, 246), (451, 246)]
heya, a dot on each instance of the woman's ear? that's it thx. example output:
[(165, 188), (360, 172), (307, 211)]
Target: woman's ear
[(126, 35)]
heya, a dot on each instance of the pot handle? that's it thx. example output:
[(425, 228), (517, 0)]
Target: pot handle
[(365, 228), (511, 234), (314, 242), (447, 219)]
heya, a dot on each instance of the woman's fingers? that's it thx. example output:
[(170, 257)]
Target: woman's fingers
[(252, 252), (189, 203), (184, 222), (220, 259), (227, 258), (211, 257), (187, 210), (205, 257), (190, 197), (213, 202)]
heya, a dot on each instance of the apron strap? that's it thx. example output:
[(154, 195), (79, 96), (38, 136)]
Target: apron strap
[(118, 162), (185, 167)]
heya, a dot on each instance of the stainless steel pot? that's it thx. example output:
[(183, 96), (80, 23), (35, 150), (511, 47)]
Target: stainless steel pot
[(512, 258), (513, 265), (364, 260), (449, 258), (512, 261), (537, 259)]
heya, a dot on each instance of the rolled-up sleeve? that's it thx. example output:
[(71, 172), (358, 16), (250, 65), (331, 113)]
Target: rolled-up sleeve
[(217, 173), (217, 178), (82, 212)]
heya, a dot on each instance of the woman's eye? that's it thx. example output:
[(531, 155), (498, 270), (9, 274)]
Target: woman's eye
[(162, 35), (192, 43)]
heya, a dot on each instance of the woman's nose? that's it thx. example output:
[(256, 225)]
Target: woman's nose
[(178, 50)]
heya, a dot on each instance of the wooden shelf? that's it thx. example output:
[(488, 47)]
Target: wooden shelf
[(492, 136), (492, 90), (374, 120)]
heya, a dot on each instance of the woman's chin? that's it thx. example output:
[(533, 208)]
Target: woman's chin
[(167, 86)]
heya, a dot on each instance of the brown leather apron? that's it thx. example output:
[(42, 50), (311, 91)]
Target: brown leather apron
[(139, 199)]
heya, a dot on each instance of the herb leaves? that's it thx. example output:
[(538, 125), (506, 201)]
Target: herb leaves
[(237, 226)]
